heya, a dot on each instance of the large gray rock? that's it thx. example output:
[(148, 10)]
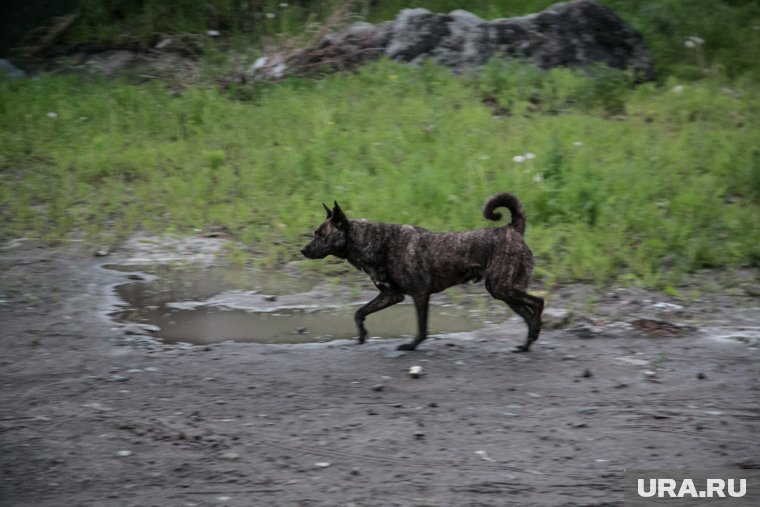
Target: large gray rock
[(572, 34)]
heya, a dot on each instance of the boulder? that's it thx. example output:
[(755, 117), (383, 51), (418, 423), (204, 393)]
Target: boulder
[(571, 34)]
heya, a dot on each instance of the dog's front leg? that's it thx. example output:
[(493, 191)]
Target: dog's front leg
[(421, 305), (382, 300)]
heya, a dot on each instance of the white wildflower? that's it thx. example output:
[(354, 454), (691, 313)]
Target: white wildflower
[(530, 156), (518, 158), (577, 143), (537, 178), (269, 15), (283, 5), (213, 33), (52, 114), (484, 157)]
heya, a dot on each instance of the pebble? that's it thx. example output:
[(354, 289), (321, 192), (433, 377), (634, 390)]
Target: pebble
[(322, 464), (378, 387), (140, 329), (484, 455), (231, 456), (415, 371), (124, 453), (555, 318), (118, 378), (587, 373)]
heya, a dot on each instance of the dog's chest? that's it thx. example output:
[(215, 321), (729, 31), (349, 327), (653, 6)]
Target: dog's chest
[(379, 278)]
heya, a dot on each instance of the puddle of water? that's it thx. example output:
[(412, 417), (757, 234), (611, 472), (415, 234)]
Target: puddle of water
[(212, 305)]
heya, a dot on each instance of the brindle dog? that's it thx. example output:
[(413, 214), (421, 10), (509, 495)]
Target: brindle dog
[(407, 260)]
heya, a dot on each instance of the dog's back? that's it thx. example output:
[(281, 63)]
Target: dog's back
[(412, 258)]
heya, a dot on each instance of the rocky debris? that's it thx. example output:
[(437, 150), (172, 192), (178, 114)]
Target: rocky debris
[(572, 34), (9, 70), (657, 327)]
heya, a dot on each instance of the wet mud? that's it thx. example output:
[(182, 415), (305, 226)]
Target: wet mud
[(621, 378)]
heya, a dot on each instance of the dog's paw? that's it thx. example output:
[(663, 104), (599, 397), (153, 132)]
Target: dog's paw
[(521, 348), (406, 346)]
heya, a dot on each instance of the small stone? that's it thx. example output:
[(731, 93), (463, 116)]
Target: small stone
[(322, 464), (419, 435), (415, 371), (231, 456), (270, 298), (140, 329), (378, 387), (580, 425), (555, 318), (701, 376), (587, 373), (124, 453), (118, 378), (102, 252)]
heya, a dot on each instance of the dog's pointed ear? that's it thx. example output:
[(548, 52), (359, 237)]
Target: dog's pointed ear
[(329, 213), (338, 217)]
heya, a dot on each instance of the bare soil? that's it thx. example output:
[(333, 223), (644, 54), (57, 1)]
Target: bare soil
[(636, 380)]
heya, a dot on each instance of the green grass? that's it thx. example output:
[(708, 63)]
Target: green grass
[(640, 185), (729, 28)]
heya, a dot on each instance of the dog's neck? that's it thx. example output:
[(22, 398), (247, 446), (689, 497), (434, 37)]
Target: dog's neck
[(366, 244)]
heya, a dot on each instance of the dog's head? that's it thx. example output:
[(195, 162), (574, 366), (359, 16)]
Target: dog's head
[(330, 238)]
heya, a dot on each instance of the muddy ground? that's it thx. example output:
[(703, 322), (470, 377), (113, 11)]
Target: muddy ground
[(88, 417)]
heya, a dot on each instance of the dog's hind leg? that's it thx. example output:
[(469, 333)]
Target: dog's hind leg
[(382, 300), (526, 306), (421, 305), (529, 308)]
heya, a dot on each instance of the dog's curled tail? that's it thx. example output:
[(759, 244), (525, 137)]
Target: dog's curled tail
[(510, 202)]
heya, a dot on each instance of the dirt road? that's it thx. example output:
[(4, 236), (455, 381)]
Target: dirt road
[(87, 419)]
